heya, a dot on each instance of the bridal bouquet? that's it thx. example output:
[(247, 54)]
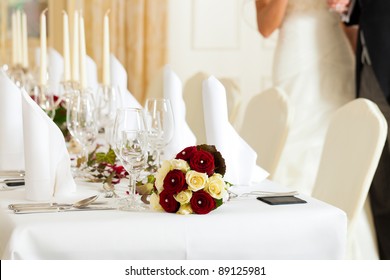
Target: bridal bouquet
[(191, 183)]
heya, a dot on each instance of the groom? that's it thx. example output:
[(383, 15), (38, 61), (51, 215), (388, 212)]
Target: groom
[(373, 82)]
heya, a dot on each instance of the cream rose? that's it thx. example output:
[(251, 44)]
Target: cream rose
[(216, 186), (183, 197), (180, 164), (195, 180), (185, 209), (154, 200), (161, 173)]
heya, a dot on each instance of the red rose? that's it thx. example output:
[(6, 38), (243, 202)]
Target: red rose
[(168, 202), (202, 202), (203, 162), (174, 181), (187, 153)]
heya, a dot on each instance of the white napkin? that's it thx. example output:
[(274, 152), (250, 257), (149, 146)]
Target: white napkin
[(47, 162), (119, 78), (183, 136), (11, 125), (92, 76), (240, 158), (55, 69)]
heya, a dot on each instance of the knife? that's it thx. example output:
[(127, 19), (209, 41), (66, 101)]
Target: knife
[(12, 173), (59, 209), (46, 205)]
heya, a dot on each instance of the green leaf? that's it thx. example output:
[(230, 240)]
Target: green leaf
[(218, 202)]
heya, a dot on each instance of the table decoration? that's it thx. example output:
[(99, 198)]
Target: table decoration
[(192, 182)]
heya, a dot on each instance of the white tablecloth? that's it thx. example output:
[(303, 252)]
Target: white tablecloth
[(240, 229)]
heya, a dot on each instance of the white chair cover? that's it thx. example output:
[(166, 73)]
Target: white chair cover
[(55, 69), (240, 158), (353, 145), (265, 126)]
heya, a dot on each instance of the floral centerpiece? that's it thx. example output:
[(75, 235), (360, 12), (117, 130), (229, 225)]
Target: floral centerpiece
[(191, 183)]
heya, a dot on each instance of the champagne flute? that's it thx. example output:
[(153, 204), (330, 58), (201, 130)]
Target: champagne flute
[(160, 124)]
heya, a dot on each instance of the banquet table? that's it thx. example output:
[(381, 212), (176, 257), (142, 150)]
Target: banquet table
[(242, 228)]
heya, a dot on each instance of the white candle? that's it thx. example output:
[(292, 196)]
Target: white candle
[(14, 40), (106, 50), (66, 46), (25, 41), (83, 54), (43, 76), (18, 37), (76, 46)]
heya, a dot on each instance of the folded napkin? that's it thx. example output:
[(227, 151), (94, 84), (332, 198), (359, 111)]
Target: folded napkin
[(55, 69), (119, 78), (240, 158), (92, 76), (183, 136), (11, 125), (47, 162)]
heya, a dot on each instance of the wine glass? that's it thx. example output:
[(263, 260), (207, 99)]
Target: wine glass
[(160, 124), (129, 126), (43, 96), (80, 120), (133, 155), (108, 100)]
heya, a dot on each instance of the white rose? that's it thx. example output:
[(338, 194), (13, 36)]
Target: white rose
[(216, 186), (155, 202), (185, 209), (195, 180), (180, 164), (161, 173), (183, 197)]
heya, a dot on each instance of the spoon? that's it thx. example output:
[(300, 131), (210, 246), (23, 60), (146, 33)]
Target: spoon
[(78, 204)]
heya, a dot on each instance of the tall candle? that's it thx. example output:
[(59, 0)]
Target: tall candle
[(76, 46), (106, 50), (43, 76), (66, 46), (18, 37), (83, 54), (24, 41), (14, 40)]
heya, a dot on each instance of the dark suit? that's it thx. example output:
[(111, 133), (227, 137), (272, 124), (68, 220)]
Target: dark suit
[(373, 82)]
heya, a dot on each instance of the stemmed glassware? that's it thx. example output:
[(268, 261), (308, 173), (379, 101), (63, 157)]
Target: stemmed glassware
[(108, 100), (43, 96), (130, 144), (80, 120), (160, 124)]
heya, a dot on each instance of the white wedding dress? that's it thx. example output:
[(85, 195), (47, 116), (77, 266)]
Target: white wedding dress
[(314, 64)]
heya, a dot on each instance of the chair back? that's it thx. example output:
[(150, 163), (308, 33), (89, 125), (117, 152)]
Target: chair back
[(350, 156), (265, 126)]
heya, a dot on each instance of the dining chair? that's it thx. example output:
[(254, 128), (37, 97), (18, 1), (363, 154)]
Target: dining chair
[(192, 94), (350, 156), (265, 126)]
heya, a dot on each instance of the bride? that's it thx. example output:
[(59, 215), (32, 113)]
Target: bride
[(314, 64)]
